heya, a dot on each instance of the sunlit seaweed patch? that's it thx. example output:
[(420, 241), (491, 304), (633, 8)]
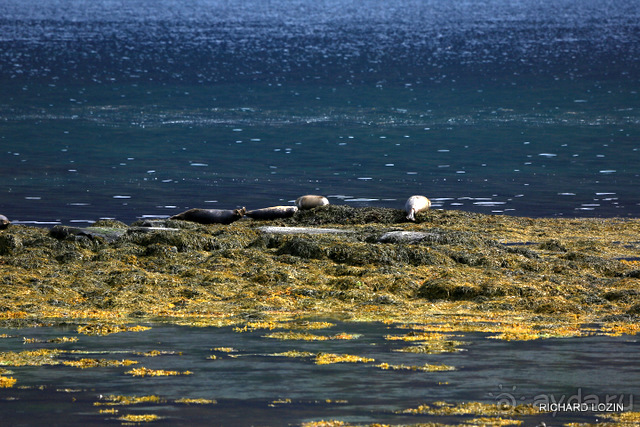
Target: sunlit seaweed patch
[(276, 402), (472, 408), (196, 401), (225, 349), (144, 372), (328, 423), (142, 418), (303, 336), (30, 358), (102, 329), (423, 368), (329, 358), (95, 363), (486, 421), (619, 329), (413, 336), (7, 382), (111, 411), (294, 353), (270, 325), (115, 400), (623, 418), (434, 346), (155, 353)]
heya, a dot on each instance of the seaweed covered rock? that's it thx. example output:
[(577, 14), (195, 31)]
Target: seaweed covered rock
[(9, 243), (372, 262), (345, 215)]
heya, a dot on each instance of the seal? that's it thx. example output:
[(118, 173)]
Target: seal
[(416, 204), (4, 222), (273, 212), (311, 201), (211, 216)]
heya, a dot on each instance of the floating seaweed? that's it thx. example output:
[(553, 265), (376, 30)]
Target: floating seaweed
[(146, 372), (139, 418), (117, 400), (329, 358), (187, 401), (423, 368), (472, 408), (98, 363), (294, 353), (7, 382), (102, 329), (39, 357), (302, 336)]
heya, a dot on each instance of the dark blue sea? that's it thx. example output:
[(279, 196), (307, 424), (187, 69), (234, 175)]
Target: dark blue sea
[(143, 108)]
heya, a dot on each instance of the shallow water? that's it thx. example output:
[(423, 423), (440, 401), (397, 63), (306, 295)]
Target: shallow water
[(253, 387), (145, 108)]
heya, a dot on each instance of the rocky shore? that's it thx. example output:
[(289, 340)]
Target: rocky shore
[(525, 278)]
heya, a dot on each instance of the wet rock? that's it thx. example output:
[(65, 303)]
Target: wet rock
[(302, 248), (552, 245), (9, 244), (63, 232), (443, 289), (301, 230), (409, 237)]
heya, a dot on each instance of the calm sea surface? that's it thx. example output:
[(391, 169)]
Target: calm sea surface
[(126, 109), (254, 384)]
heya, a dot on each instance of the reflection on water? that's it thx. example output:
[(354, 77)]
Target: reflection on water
[(145, 108), (248, 378)]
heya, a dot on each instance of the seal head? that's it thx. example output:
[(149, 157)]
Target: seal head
[(416, 204), (4, 222), (211, 216), (311, 201)]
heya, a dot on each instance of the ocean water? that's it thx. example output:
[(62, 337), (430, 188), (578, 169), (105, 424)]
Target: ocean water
[(253, 384), (143, 108)]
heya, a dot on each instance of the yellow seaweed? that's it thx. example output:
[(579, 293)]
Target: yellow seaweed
[(196, 401), (142, 418), (423, 368), (95, 363), (144, 372), (329, 358), (115, 400), (7, 382), (305, 336), (103, 329)]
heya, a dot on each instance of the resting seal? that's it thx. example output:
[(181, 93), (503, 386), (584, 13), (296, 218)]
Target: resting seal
[(311, 201), (4, 222), (274, 212), (211, 216), (416, 204)]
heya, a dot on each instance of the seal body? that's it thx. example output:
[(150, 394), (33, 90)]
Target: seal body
[(211, 216), (311, 201), (274, 212), (416, 204), (4, 222)]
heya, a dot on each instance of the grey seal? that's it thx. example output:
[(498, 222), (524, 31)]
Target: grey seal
[(311, 201), (273, 212), (416, 204), (4, 222), (211, 216)]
